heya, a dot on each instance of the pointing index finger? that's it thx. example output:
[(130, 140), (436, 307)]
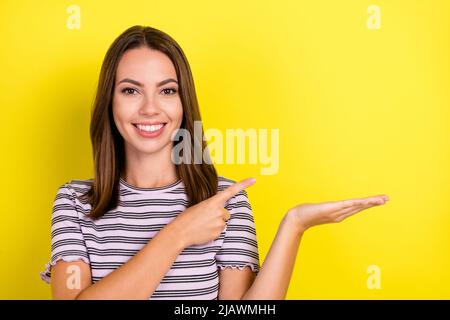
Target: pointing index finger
[(229, 192)]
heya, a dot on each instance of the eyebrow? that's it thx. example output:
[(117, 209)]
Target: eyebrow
[(139, 84)]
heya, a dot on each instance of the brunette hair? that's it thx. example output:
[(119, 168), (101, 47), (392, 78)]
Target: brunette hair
[(200, 180)]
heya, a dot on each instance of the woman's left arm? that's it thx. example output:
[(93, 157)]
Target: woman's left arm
[(273, 279)]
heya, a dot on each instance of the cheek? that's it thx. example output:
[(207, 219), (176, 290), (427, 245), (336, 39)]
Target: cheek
[(122, 109), (119, 116), (177, 115), (116, 115)]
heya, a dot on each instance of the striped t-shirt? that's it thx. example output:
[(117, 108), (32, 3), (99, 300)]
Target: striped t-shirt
[(109, 242)]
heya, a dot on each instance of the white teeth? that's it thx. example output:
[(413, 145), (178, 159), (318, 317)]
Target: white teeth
[(149, 128)]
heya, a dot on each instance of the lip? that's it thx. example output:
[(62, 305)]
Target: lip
[(149, 123), (149, 134)]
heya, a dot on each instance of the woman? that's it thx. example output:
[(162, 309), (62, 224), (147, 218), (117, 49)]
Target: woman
[(147, 226)]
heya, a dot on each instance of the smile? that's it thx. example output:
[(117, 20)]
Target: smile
[(149, 130)]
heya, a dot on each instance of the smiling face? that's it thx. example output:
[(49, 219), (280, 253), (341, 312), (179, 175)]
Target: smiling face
[(146, 105)]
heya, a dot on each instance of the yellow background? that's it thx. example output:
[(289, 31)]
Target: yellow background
[(359, 111)]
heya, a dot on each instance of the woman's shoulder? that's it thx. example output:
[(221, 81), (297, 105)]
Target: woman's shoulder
[(225, 182), (239, 201), (76, 187)]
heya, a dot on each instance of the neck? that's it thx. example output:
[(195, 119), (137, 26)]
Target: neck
[(150, 170)]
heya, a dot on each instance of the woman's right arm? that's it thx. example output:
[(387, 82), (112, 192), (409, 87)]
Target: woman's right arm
[(140, 276), (132, 280)]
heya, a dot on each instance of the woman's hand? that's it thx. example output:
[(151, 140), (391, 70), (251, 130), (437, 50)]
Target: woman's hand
[(307, 215), (205, 221)]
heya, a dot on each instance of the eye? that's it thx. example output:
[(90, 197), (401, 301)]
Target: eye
[(173, 90), (128, 91)]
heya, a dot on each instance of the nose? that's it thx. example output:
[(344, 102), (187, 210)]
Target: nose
[(148, 107)]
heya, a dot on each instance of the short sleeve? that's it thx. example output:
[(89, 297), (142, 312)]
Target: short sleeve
[(66, 237), (240, 247)]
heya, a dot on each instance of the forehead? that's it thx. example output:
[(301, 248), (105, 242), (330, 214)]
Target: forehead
[(145, 64)]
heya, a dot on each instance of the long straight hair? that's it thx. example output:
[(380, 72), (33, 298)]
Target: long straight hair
[(200, 180)]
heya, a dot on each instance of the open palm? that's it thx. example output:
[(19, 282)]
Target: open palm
[(307, 215)]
